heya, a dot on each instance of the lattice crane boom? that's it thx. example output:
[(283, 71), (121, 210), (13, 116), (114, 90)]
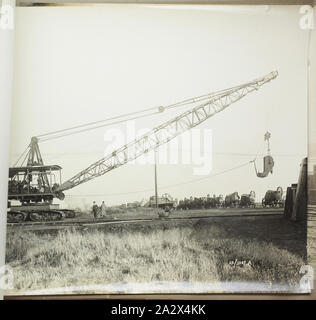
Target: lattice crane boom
[(163, 133)]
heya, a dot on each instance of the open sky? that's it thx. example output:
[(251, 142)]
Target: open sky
[(79, 64)]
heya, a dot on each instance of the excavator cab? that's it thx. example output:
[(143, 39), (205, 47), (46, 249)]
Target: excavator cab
[(33, 184), (32, 181)]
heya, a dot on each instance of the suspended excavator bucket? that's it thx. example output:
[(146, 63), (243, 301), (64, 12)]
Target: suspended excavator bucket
[(268, 164)]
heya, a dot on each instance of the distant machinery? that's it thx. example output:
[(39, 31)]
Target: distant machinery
[(165, 202)]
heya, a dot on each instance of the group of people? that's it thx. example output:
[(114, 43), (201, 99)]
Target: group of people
[(98, 211)]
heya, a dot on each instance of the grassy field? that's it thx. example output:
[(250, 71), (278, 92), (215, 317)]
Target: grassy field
[(200, 251)]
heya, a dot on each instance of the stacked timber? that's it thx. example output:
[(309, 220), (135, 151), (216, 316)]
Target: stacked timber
[(311, 235), (296, 197), (289, 200), (311, 219), (312, 187)]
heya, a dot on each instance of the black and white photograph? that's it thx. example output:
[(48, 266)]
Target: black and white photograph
[(160, 149)]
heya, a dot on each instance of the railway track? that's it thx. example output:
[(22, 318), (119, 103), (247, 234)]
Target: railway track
[(311, 211), (93, 223), (71, 223)]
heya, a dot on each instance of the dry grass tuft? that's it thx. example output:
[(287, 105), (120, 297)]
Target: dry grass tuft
[(73, 258)]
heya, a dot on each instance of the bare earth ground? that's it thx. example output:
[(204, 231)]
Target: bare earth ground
[(267, 249)]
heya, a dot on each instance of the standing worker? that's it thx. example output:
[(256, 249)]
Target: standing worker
[(95, 210), (103, 209)]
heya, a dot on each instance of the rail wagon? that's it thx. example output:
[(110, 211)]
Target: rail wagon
[(214, 202), (273, 198), (232, 200), (248, 200)]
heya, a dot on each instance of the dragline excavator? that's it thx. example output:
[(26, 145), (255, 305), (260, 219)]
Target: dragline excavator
[(34, 185)]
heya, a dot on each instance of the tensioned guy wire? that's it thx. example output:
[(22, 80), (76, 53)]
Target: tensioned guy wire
[(106, 122)]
